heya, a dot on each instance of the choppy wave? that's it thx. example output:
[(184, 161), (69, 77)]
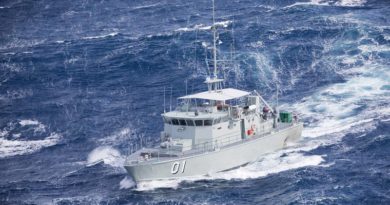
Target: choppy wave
[(200, 27), (312, 2), (14, 142), (101, 36), (126, 183), (345, 3), (146, 6), (351, 3), (117, 138), (21, 147), (106, 154)]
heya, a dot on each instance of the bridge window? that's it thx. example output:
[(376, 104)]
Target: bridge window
[(208, 122), (175, 122), (199, 122), (167, 120), (190, 122), (182, 122)]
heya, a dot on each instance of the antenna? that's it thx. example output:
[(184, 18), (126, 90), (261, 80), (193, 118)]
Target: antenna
[(170, 101), (207, 63), (196, 59), (214, 42), (164, 99), (186, 86), (187, 100), (277, 95)]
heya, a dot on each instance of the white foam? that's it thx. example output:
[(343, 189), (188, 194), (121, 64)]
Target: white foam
[(351, 3), (126, 183), (349, 61), (345, 3), (20, 147), (386, 37), (338, 108), (271, 164), (119, 137), (3, 133), (17, 135), (145, 6), (38, 126), (20, 43), (101, 36), (28, 122), (332, 126), (200, 27), (157, 184), (312, 2), (106, 154)]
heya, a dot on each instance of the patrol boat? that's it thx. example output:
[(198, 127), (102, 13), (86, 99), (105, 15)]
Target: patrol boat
[(214, 131)]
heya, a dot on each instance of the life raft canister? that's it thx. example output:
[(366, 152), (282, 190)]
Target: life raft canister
[(251, 131)]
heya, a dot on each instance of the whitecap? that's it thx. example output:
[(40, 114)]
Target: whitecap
[(126, 183), (271, 164), (312, 2), (201, 27), (351, 3), (28, 122), (332, 126), (158, 184), (101, 36), (20, 147), (145, 6), (106, 154), (38, 126), (118, 137)]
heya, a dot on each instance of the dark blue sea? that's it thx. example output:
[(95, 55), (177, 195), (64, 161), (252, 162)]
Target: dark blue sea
[(82, 85)]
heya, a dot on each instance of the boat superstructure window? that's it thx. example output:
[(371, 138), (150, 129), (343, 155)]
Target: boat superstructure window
[(199, 122), (182, 122), (190, 123), (175, 121), (208, 122), (167, 120)]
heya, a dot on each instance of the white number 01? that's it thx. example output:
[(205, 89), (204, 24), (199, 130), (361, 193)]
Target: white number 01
[(176, 166)]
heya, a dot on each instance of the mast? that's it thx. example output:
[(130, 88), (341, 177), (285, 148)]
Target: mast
[(214, 43), (212, 81)]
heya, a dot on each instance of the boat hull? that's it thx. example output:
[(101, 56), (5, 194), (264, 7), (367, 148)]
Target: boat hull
[(214, 161)]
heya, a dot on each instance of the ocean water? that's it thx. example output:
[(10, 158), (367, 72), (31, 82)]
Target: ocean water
[(82, 85)]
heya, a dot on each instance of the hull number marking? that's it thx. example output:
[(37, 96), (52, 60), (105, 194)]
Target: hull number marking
[(178, 166)]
